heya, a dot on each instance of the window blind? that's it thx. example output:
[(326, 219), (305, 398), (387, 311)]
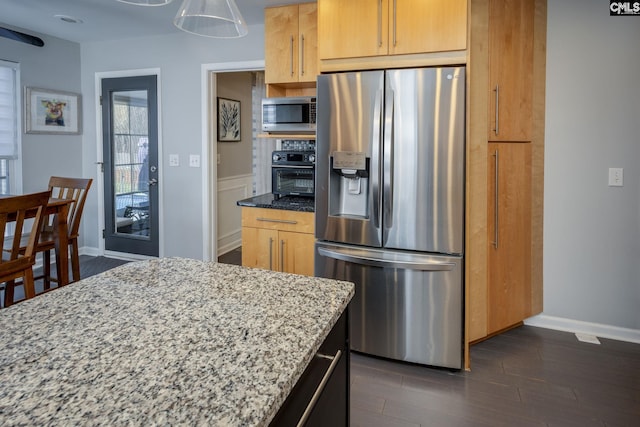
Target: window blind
[(9, 104)]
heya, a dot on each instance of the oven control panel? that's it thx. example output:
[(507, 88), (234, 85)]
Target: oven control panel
[(294, 158)]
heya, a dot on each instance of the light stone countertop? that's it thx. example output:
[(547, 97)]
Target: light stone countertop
[(164, 342)]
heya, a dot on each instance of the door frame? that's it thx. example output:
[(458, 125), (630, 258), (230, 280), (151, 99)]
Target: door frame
[(210, 149), (100, 161)]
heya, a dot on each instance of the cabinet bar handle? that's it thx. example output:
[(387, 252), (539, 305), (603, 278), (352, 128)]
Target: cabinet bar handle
[(394, 22), (497, 91), (316, 395), (281, 221), (282, 255), (270, 253), (291, 54), (302, 54), (380, 23), (496, 221)]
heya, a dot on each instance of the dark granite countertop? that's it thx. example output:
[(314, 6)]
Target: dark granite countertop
[(290, 203)]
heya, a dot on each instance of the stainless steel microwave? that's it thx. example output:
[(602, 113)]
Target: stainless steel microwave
[(288, 115)]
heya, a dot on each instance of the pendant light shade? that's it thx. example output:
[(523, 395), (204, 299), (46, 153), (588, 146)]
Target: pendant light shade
[(147, 2), (211, 18)]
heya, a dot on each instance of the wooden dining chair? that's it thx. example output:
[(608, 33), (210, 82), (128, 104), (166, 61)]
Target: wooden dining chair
[(17, 262), (74, 189)]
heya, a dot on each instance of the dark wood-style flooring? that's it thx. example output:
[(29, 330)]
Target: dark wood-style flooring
[(524, 377)]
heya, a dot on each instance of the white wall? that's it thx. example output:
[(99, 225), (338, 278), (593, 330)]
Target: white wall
[(55, 66), (591, 230), (179, 58)]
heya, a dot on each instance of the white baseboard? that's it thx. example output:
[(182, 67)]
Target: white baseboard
[(91, 251), (578, 326), (229, 247), (86, 250)]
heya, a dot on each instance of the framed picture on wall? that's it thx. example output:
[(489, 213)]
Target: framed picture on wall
[(228, 120), (52, 111)]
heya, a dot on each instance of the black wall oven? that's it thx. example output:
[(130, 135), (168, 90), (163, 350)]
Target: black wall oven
[(293, 171)]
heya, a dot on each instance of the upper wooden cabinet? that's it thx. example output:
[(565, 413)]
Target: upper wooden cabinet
[(361, 28), (291, 44), (511, 28)]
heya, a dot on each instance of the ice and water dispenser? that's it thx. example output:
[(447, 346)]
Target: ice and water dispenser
[(349, 184)]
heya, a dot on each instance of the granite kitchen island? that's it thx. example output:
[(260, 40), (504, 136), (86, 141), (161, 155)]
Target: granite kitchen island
[(169, 341)]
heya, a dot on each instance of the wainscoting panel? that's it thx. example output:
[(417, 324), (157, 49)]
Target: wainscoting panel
[(230, 190)]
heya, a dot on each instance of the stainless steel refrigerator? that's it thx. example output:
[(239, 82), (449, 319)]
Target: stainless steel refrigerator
[(390, 207)]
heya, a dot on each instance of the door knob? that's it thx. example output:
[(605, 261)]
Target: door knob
[(153, 181)]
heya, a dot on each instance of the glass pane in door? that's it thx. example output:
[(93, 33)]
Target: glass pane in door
[(131, 163)]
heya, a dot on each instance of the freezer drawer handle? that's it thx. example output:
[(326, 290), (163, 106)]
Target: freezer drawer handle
[(379, 262), (314, 399), (281, 221)]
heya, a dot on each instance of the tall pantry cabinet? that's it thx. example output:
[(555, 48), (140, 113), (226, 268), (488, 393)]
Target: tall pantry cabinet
[(509, 36)]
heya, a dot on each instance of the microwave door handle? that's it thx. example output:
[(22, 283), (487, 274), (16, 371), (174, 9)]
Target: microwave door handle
[(374, 203)]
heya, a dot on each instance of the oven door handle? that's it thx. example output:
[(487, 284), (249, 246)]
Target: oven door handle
[(292, 166)]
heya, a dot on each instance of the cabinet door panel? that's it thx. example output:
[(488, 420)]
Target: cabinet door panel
[(351, 29), (511, 69), (308, 39), (260, 248), (418, 26), (281, 44), (509, 228), (297, 252)]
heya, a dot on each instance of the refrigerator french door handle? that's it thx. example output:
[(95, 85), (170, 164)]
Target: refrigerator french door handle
[(375, 160), (380, 262), (387, 179)]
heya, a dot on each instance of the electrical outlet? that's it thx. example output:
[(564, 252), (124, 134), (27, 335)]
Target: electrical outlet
[(194, 160), (174, 160), (616, 177), (218, 158)]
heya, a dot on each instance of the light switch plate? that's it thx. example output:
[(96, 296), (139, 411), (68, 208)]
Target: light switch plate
[(616, 177), (194, 160), (174, 160)]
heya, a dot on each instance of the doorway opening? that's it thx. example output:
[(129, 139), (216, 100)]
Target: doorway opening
[(231, 170)]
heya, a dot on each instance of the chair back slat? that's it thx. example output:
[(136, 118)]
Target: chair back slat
[(18, 209), (75, 189), (19, 262)]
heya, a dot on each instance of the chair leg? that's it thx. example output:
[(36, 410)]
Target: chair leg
[(28, 285), (75, 261), (46, 268), (8, 292)]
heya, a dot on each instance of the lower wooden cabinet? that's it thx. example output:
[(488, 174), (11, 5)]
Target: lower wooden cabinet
[(278, 240), (509, 297)]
